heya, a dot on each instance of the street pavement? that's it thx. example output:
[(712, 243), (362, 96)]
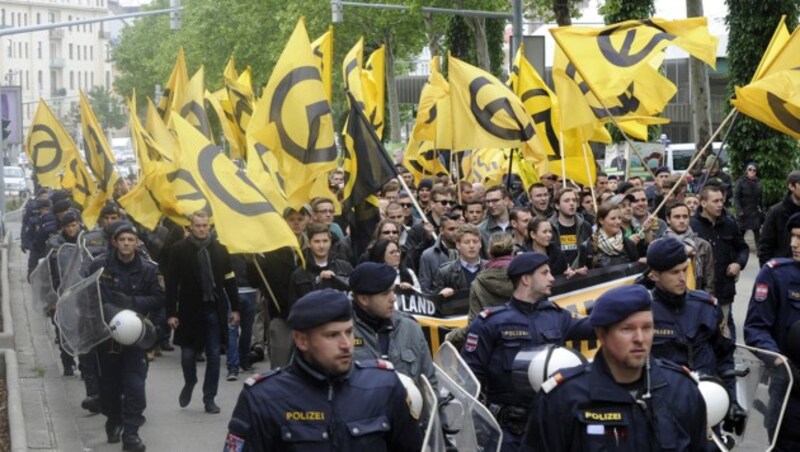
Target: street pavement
[(55, 420), (52, 410)]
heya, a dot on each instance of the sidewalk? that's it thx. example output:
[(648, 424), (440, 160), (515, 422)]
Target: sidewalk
[(54, 418)]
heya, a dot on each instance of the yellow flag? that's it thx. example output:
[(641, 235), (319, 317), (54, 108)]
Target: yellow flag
[(486, 114), (539, 100), (351, 69), (262, 166), (774, 100), (373, 82), (240, 97), (781, 54), (245, 220), (222, 107), (776, 45), (178, 79), (294, 101), (230, 69), (83, 187), (49, 147), (190, 104), (422, 160), (96, 148), (610, 58), (323, 53), (154, 125)]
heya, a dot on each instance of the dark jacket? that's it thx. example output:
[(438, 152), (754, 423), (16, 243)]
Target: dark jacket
[(304, 280), (583, 230), (451, 275), (139, 279), (185, 292), (277, 267), (747, 200), (598, 259), (774, 241), (728, 247), (417, 242)]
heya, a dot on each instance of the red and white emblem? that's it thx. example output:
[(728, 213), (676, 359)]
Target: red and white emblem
[(472, 342), (762, 290)]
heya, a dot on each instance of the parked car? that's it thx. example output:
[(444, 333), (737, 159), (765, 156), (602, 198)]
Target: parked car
[(16, 182)]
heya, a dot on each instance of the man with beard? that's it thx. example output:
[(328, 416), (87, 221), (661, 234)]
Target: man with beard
[(527, 320), (678, 218), (625, 400), (324, 400), (498, 202), (570, 226)]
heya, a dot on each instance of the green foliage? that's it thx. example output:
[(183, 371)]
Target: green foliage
[(614, 11), (460, 42), (542, 10), (109, 109), (750, 26)]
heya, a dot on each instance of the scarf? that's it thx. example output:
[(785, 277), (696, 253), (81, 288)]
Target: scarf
[(206, 273), (687, 237), (611, 246)]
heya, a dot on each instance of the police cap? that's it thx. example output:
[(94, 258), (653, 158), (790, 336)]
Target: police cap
[(42, 204), (121, 227), (666, 253), (525, 263), (58, 195), (425, 183), (617, 304), (371, 277), (70, 217), (62, 205), (794, 222), (319, 307), (109, 209)]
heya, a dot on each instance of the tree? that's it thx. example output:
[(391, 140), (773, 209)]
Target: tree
[(558, 11), (750, 26), (701, 91), (460, 41), (109, 109)]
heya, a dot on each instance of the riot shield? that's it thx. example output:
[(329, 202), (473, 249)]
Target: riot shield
[(44, 296), (465, 422), (69, 258), (449, 360), (434, 436), (762, 389), (79, 316)]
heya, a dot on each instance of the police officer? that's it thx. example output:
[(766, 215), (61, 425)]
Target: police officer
[(688, 322), (497, 334), (29, 218), (774, 307), (95, 241), (128, 281), (46, 225), (625, 400), (380, 330), (324, 400)]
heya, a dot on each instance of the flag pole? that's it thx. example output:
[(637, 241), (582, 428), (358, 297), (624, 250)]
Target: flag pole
[(692, 163), (563, 163), (716, 156), (589, 175), (510, 167)]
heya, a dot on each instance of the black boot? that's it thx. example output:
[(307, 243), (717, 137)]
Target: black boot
[(92, 404), (113, 433), (132, 443)]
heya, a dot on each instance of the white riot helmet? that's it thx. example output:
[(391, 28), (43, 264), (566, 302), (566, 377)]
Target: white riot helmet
[(126, 327), (413, 396), (716, 397), (534, 366)]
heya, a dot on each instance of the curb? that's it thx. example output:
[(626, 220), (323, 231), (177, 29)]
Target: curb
[(16, 421), (7, 335)]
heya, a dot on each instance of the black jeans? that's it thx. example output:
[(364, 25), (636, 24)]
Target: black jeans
[(123, 371), (212, 346)]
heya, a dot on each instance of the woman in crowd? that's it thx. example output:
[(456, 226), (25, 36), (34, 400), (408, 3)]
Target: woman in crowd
[(608, 245), (386, 230), (541, 240), (386, 251)]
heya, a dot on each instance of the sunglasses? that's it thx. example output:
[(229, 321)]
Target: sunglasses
[(445, 202), (392, 231), (406, 205)]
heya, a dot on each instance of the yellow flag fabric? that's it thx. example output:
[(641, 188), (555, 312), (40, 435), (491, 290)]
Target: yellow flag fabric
[(222, 107), (240, 97), (782, 53), (323, 53), (154, 125), (262, 165), (373, 82), (774, 100), (610, 58), (49, 147), (178, 80), (779, 39), (351, 69), (230, 69), (190, 104), (78, 180), (294, 101), (422, 160), (96, 148), (245, 220), (486, 114), (490, 166)]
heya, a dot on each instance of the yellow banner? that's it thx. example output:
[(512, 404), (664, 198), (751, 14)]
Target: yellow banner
[(242, 214), (222, 107), (48, 146), (323, 53), (773, 100), (95, 146), (177, 82), (611, 57), (190, 104), (373, 82), (240, 97)]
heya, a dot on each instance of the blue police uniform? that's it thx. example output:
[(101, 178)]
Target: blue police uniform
[(46, 225), (686, 331), (774, 307), (301, 409), (493, 340), (136, 285), (583, 409)]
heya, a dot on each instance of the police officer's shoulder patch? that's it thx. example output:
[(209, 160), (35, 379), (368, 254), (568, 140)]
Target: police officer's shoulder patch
[(488, 312), (375, 364), (761, 292), (257, 378), (562, 376), (669, 365), (233, 443)]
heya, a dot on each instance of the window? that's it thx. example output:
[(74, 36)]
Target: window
[(3, 17), (25, 19), (26, 50), (10, 48), (69, 19), (91, 52), (79, 79), (40, 80), (39, 50), (71, 80), (70, 52), (20, 50), (38, 18), (108, 80), (12, 19), (92, 85), (27, 80), (79, 51)]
